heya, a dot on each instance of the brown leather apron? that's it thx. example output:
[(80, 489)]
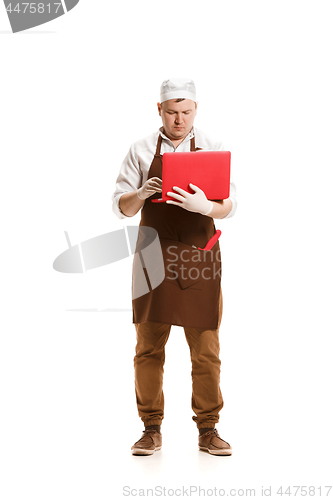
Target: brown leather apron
[(189, 293)]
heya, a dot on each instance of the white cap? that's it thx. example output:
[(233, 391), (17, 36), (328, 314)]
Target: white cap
[(178, 88)]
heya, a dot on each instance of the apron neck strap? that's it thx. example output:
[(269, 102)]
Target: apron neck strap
[(193, 144), (158, 147), (193, 148)]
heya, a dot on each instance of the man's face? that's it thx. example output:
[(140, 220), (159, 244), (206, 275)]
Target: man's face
[(177, 117)]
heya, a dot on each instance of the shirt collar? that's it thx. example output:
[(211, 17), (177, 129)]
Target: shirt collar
[(187, 138)]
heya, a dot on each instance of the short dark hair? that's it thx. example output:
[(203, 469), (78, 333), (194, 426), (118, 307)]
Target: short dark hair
[(177, 100)]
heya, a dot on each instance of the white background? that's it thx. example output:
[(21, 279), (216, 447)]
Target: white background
[(75, 93)]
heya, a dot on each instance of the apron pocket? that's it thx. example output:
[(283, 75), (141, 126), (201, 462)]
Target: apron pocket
[(183, 264)]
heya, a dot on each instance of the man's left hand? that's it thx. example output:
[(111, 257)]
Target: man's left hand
[(196, 202)]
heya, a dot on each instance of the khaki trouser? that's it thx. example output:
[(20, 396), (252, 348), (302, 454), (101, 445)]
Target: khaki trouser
[(149, 360)]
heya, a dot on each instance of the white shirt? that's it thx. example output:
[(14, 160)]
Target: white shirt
[(135, 167)]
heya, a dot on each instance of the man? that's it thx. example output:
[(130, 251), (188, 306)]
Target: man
[(184, 225)]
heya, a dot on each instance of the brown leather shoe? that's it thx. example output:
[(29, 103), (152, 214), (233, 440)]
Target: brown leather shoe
[(150, 442), (211, 441)]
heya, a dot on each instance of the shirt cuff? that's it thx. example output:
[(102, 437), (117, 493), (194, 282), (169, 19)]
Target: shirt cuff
[(116, 208), (234, 208)]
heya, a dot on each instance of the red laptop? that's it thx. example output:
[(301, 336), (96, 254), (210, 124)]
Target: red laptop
[(209, 170)]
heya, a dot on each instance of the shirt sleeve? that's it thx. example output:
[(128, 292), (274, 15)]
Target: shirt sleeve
[(129, 179), (232, 194), (232, 198)]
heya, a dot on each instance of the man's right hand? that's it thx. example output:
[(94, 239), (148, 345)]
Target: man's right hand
[(130, 203), (151, 186)]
